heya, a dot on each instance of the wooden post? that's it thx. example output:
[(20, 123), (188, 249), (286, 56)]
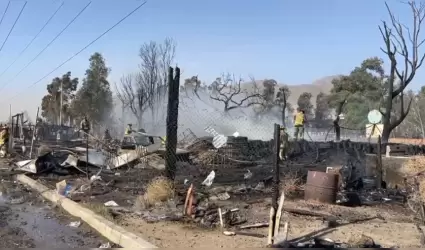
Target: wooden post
[(276, 183), (276, 159), (33, 132), (172, 119), (379, 164), (10, 144)]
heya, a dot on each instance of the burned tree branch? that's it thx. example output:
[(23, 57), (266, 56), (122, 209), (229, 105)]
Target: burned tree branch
[(143, 90), (401, 42), (227, 90), (133, 95)]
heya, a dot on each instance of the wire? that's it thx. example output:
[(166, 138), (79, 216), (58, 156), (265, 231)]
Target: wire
[(48, 45), (13, 26), (33, 39), (4, 13), (88, 45)]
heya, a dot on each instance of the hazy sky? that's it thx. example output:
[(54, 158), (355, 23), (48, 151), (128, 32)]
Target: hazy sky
[(294, 42)]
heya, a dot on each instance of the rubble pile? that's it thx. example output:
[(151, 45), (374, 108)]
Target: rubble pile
[(236, 148), (321, 242)]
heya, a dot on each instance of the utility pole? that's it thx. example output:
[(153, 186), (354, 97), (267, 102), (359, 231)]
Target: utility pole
[(61, 105)]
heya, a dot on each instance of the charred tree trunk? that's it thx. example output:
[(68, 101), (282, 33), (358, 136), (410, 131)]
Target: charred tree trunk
[(337, 128), (284, 115), (401, 41)]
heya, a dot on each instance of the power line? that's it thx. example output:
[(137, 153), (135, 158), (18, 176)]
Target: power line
[(13, 26), (88, 45), (4, 13), (48, 45), (33, 39)]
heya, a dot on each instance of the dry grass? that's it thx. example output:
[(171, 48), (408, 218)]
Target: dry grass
[(414, 165), (422, 190), (356, 241), (158, 190), (99, 209), (208, 157), (292, 183)]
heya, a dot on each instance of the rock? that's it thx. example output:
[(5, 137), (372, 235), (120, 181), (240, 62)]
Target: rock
[(213, 198), (217, 190), (241, 189), (361, 242), (260, 186), (223, 196)]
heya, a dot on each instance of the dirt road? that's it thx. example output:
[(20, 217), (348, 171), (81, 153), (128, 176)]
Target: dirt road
[(27, 221)]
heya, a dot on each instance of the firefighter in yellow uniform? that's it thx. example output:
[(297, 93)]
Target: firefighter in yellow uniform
[(4, 140), (129, 129), (163, 141), (299, 121)]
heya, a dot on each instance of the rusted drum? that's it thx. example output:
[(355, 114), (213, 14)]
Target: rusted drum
[(321, 187)]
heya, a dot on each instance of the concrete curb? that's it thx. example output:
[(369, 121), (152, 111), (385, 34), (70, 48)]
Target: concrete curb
[(112, 232)]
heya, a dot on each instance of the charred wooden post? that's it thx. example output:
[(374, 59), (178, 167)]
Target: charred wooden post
[(172, 119), (276, 159), (379, 164), (276, 183)]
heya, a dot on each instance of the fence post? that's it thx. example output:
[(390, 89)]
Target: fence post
[(172, 121), (276, 159), (379, 163), (276, 182)]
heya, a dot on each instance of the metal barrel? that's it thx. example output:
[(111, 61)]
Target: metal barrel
[(321, 187)]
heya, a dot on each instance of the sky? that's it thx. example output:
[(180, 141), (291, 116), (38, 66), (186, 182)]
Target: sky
[(292, 41)]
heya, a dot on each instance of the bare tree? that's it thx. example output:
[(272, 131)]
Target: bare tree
[(227, 89), (156, 58), (282, 102), (401, 42), (148, 87), (133, 95)]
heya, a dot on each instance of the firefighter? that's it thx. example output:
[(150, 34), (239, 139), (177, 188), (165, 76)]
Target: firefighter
[(4, 140), (85, 126), (284, 143), (129, 129), (163, 141), (299, 121), (107, 136)]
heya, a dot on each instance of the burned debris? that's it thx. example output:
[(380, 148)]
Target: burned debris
[(214, 187)]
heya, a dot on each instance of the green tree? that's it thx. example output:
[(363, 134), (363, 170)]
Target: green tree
[(50, 104), (321, 113), (94, 98), (304, 103), (413, 125), (358, 93)]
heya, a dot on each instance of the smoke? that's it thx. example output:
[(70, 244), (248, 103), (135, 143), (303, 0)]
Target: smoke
[(195, 114)]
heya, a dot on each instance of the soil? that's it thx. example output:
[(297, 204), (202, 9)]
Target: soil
[(33, 222), (177, 234), (393, 229)]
